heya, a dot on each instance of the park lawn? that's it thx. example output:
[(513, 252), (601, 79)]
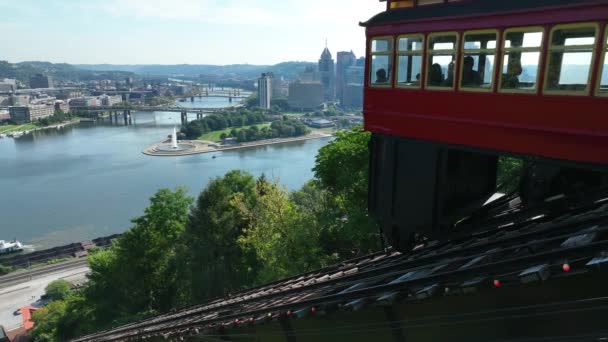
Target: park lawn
[(215, 135), (12, 128), (293, 113)]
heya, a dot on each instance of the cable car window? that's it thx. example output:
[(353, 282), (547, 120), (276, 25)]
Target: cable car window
[(442, 49), (570, 58), (409, 60), (603, 86), (478, 60), (521, 59), (381, 61)]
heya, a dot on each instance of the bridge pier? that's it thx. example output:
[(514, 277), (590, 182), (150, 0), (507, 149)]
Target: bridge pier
[(184, 116), (125, 117), (192, 99), (130, 117)]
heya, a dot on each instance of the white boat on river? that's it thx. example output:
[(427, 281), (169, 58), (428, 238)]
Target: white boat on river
[(10, 246)]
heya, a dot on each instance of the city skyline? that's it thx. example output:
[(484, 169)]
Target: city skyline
[(180, 31)]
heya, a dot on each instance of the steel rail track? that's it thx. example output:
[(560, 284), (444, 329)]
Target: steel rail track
[(425, 261)]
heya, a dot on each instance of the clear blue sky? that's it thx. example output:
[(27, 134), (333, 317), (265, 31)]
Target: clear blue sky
[(180, 31)]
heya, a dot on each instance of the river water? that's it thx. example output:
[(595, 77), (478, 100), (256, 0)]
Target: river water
[(88, 180)]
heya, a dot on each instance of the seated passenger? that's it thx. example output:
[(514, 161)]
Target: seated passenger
[(381, 76), (510, 80), (435, 75), (470, 77), (417, 81), (449, 81)]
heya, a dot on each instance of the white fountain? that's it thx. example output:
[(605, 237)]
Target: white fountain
[(174, 139), (172, 148)]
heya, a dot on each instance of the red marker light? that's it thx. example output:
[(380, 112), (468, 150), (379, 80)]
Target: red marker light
[(313, 310), (250, 320), (566, 267), (496, 283), (288, 313)]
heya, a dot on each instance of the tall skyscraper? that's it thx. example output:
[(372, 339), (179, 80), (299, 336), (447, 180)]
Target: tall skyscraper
[(326, 69), (265, 90), (345, 59)]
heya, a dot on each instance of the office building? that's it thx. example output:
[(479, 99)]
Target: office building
[(31, 113), (265, 90), (344, 60), (305, 95), (110, 100), (8, 85), (327, 72), (41, 81)]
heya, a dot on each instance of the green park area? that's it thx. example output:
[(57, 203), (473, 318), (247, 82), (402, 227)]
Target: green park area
[(215, 135), (15, 128)]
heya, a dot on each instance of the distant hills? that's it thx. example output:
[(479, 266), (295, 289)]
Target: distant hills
[(60, 71), (86, 72), (288, 70)]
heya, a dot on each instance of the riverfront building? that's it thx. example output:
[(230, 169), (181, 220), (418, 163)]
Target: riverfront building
[(86, 101), (265, 90), (30, 113), (110, 100)]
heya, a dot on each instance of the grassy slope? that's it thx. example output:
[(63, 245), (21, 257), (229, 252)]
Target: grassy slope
[(10, 128), (215, 135)]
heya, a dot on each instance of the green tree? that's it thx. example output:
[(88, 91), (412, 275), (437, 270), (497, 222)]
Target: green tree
[(213, 262), (46, 321), (58, 289), (341, 167), (282, 240), (134, 276)]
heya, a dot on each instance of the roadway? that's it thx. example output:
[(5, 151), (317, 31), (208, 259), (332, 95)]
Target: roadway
[(25, 288)]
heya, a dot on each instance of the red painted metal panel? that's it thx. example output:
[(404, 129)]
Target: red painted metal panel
[(560, 127)]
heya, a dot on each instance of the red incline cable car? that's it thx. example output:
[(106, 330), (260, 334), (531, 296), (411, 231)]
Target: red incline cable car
[(453, 85)]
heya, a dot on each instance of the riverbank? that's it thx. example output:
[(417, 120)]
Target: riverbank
[(19, 130), (202, 146)]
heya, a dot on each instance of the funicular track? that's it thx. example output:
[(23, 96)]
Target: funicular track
[(509, 246)]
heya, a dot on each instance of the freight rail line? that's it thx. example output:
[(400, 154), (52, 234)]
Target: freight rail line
[(519, 245), (12, 278)]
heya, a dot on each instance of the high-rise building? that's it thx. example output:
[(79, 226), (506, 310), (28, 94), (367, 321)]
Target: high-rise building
[(352, 95), (265, 90), (41, 81), (345, 59), (327, 72), (309, 75)]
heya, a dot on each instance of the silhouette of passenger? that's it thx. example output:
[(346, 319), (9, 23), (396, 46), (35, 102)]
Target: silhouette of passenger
[(435, 75), (510, 80), (449, 80), (470, 77), (381, 76)]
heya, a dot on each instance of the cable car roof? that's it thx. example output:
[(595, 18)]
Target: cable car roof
[(465, 8)]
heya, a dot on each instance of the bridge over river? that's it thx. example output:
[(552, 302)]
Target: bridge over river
[(126, 111)]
